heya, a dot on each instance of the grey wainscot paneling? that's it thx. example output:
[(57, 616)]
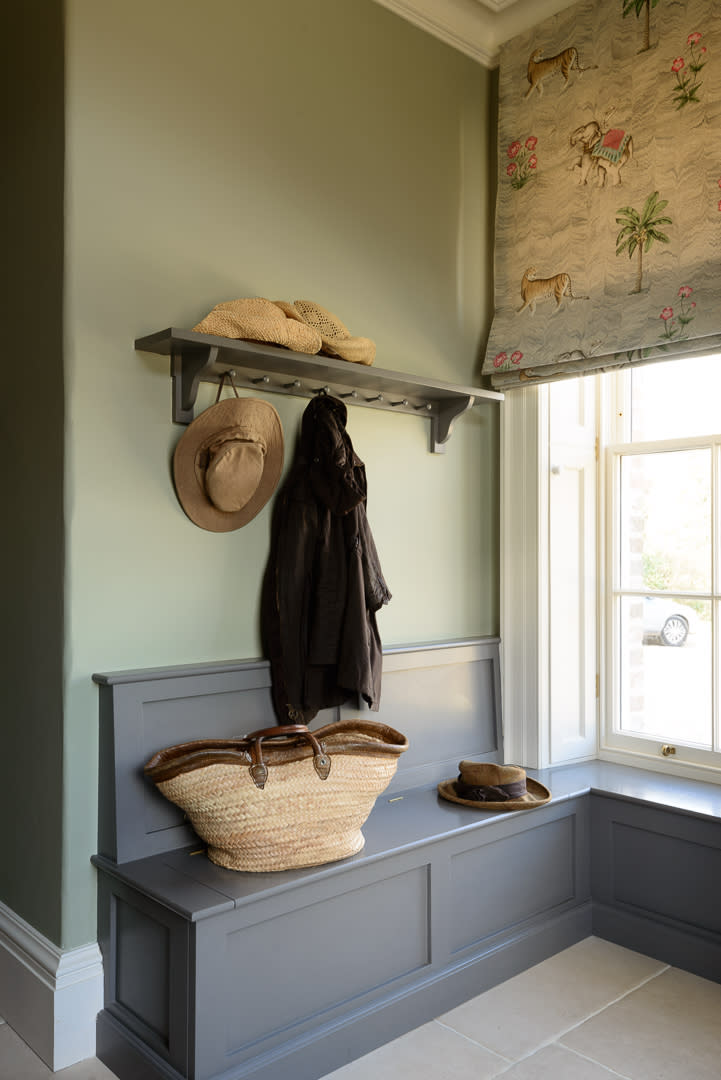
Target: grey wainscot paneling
[(672, 909), (216, 975)]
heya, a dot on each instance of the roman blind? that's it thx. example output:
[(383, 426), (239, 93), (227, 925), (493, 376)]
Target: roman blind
[(608, 216)]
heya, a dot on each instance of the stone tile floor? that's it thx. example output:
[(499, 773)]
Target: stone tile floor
[(592, 1012), (18, 1062)]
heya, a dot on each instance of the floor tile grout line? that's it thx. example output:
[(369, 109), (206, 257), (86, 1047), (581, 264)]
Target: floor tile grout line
[(597, 1012), (607, 1068), (615, 1001), (559, 1034), (481, 1046)]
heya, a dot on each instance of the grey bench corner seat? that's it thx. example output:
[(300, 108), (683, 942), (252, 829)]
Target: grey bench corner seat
[(216, 975)]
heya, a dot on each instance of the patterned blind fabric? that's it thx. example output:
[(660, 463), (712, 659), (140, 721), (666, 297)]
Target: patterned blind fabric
[(608, 220)]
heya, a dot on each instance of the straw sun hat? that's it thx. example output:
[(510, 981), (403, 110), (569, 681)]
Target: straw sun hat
[(494, 787), (228, 462), (336, 338), (302, 326), (255, 319)]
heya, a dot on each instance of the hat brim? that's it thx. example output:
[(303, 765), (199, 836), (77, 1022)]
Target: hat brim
[(356, 350), (253, 413), (225, 321), (537, 795)]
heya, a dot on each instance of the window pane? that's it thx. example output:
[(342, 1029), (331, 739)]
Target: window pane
[(665, 662), (666, 521), (676, 399)]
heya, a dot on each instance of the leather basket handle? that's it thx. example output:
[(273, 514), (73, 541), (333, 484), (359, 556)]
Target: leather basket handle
[(258, 768), (276, 732)]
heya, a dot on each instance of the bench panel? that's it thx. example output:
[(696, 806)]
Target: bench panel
[(262, 982), (656, 883), (500, 885)]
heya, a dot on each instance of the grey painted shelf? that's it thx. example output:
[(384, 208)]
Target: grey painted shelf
[(196, 358)]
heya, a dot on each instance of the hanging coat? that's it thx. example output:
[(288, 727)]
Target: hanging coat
[(323, 582)]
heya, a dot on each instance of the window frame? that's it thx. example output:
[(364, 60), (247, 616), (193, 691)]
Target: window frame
[(616, 443), (525, 465)]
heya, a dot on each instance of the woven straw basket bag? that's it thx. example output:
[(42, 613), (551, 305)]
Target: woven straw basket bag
[(284, 797)]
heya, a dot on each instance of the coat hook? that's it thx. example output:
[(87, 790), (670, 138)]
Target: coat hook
[(403, 402), (378, 397), (295, 385), (351, 393), (427, 407), (322, 390), (262, 379)]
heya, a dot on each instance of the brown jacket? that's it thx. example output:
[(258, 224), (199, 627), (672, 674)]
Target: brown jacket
[(323, 582)]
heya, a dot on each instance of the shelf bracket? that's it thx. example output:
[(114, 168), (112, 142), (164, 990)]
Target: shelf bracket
[(196, 358), (188, 367), (442, 423)]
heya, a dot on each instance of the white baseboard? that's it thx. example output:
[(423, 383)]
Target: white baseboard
[(50, 997)]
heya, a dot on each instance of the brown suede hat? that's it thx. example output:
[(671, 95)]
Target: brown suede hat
[(228, 462), (494, 787)]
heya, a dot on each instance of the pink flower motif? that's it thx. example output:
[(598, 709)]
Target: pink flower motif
[(510, 169), (693, 39), (685, 291), (531, 142), (678, 64), (500, 359), (516, 357), (532, 161), (702, 50), (514, 148), (719, 181), (693, 303), (667, 313)]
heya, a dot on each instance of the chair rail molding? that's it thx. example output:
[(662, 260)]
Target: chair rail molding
[(49, 996)]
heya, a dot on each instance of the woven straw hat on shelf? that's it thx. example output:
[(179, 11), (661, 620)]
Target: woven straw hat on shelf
[(256, 319), (336, 338)]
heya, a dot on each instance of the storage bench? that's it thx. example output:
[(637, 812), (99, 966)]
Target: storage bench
[(213, 974)]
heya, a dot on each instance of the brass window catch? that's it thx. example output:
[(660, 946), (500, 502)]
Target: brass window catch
[(666, 750)]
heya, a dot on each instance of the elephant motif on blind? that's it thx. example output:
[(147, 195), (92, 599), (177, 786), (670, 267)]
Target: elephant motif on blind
[(602, 154)]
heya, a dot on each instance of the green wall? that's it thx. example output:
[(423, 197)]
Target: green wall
[(328, 151), (32, 436)]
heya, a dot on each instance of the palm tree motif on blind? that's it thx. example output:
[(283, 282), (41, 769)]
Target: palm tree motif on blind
[(640, 230), (641, 7)]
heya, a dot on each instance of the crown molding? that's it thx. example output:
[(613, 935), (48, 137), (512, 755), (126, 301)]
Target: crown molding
[(463, 24), (476, 28), (497, 5)]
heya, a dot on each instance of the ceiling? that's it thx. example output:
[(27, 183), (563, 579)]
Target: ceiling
[(477, 28)]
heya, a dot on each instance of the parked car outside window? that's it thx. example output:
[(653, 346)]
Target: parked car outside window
[(667, 622)]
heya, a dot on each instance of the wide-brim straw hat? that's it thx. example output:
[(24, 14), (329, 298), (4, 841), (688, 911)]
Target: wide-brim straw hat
[(486, 786), (228, 462), (256, 319), (336, 338)]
